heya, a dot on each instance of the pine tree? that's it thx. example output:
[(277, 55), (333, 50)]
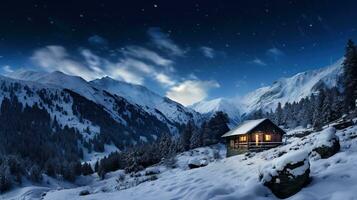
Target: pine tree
[(196, 139), (350, 76), (215, 128), (279, 114), (186, 136), (317, 115), (5, 179), (35, 174)]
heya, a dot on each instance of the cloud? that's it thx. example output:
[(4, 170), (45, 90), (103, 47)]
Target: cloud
[(97, 40), (162, 41), (125, 74), (144, 53), (257, 61), (7, 69), (128, 68), (164, 79), (189, 92), (208, 52), (52, 58), (275, 53)]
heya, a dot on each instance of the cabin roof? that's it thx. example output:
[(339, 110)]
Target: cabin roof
[(244, 127)]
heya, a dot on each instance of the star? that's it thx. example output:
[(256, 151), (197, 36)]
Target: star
[(155, 5), (81, 15)]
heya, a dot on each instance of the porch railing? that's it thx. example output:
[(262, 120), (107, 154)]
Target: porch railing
[(258, 144)]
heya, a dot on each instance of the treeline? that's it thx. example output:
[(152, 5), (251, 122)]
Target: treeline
[(166, 147), (313, 111), (327, 105), (32, 144)]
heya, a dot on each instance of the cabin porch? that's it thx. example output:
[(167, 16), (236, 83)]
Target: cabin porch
[(257, 141)]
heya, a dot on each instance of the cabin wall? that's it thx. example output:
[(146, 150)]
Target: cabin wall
[(233, 147), (267, 127)]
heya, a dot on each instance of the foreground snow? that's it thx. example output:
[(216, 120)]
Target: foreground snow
[(236, 177)]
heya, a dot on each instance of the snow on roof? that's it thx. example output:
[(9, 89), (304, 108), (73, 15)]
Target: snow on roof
[(244, 127)]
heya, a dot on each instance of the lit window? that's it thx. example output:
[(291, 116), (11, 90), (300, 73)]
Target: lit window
[(267, 137), (243, 138)]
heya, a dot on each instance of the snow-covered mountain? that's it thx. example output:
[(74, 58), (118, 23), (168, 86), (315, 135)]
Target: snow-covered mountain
[(102, 114), (292, 89), (283, 90), (208, 108), (161, 107), (166, 110)]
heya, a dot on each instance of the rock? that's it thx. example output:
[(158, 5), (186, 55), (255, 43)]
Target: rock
[(328, 151), (196, 163), (327, 144), (288, 175), (84, 192)]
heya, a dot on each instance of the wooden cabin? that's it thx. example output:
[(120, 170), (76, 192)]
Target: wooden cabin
[(253, 135)]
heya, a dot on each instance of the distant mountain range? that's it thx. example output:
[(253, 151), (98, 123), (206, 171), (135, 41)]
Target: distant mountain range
[(136, 114), (283, 90)]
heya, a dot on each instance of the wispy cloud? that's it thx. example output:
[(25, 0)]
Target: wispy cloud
[(208, 51), (90, 66), (163, 41), (258, 61), (133, 64), (189, 92), (275, 53), (144, 53), (51, 58), (7, 69)]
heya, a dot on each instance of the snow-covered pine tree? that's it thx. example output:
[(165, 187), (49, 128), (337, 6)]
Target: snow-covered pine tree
[(186, 136), (279, 114), (317, 118), (350, 76), (196, 139)]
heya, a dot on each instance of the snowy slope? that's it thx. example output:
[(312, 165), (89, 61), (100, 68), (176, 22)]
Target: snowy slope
[(163, 108), (125, 123), (292, 89), (148, 99), (237, 177), (220, 104), (30, 93), (283, 90)]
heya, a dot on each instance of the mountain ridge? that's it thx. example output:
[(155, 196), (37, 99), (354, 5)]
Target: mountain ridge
[(286, 89)]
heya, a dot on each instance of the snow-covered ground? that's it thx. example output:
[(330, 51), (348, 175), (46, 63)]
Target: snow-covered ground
[(228, 178)]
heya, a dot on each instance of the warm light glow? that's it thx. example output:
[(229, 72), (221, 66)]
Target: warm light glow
[(267, 137), (243, 138)]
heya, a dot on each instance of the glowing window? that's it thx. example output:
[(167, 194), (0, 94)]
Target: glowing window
[(267, 137), (243, 138)]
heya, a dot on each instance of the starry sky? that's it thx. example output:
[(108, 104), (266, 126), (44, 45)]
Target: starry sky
[(186, 50)]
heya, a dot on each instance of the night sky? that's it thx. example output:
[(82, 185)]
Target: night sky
[(187, 50)]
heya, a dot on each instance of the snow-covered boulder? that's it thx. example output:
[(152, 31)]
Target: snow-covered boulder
[(288, 174), (152, 171), (196, 163), (327, 143), (84, 193)]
